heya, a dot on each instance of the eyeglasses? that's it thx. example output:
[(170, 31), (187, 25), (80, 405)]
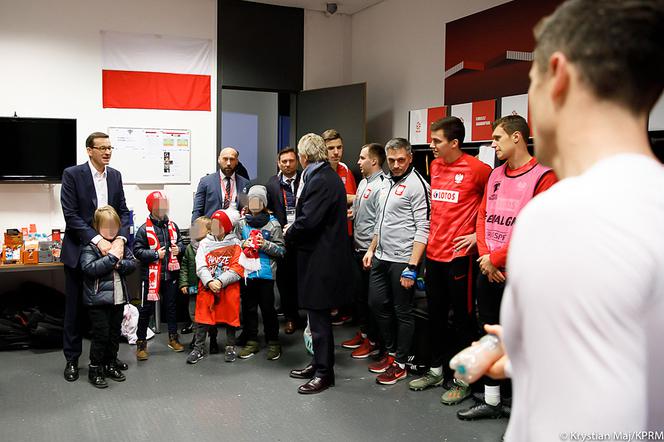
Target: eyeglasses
[(103, 148)]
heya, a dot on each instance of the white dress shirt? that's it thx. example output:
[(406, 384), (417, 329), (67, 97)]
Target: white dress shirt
[(101, 190), (101, 187), (233, 196)]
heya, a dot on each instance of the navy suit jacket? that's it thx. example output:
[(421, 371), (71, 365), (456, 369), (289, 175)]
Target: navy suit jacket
[(208, 198), (79, 202), (275, 197)]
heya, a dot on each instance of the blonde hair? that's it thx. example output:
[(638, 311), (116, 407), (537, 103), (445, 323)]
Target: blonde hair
[(105, 213), (331, 134), (312, 147), (205, 221)]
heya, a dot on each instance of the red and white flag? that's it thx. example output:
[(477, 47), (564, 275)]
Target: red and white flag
[(148, 71)]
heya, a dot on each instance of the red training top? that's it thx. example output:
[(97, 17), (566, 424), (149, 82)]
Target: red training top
[(349, 182), (456, 193)]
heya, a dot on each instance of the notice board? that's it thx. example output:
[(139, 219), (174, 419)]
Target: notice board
[(151, 156)]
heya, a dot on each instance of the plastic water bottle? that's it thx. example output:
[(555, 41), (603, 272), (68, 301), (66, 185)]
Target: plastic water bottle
[(471, 363)]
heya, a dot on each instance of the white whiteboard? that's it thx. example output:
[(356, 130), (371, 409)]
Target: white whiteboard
[(151, 156)]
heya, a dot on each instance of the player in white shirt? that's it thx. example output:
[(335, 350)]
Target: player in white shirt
[(583, 312)]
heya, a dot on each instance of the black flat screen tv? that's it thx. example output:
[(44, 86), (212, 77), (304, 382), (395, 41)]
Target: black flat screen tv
[(36, 149)]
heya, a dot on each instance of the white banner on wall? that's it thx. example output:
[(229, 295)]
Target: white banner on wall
[(417, 132), (514, 105), (465, 113)]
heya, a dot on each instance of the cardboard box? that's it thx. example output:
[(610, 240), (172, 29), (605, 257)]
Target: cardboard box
[(11, 255), (45, 256), (46, 245), (30, 257)]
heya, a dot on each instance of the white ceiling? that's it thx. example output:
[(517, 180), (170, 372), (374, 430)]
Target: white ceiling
[(344, 6)]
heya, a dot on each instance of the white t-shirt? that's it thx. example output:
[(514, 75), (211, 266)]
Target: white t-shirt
[(583, 312)]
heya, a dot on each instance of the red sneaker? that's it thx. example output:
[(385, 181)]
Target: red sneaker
[(354, 342), (392, 375), (382, 365), (341, 319), (365, 350)]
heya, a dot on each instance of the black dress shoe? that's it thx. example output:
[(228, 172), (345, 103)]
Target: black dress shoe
[(121, 365), (111, 371), (481, 411), (71, 371), (316, 385), (96, 376), (187, 329), (306, 373)]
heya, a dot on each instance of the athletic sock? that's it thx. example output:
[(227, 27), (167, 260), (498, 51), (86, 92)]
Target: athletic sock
[(492, 394)]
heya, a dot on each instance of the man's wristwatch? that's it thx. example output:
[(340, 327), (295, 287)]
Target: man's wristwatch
[(412, 267)]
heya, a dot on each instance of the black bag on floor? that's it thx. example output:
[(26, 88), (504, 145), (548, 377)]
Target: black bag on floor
[(45, 330), (13, 335)]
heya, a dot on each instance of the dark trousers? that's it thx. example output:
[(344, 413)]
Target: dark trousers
[(449, 286), (106, 323), (392, 306), (202, 330), (489, 297), (167, 292), (287, 285), (259, 292), (72, 339), (362, 313), (320, 324)]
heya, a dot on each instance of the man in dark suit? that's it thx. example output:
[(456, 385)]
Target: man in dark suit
[(320, 235), (222, 189), (281, 197), (85, 188)]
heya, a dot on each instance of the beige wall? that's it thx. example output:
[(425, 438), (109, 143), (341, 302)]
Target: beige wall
[(398, 49), (51, 67), (327, 49)]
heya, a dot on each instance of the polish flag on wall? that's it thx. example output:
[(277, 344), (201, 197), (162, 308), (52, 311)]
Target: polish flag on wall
[(477, 118), (148, 71), (420, 121)]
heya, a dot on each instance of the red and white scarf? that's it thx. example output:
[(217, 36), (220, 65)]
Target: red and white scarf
[(154, 269)]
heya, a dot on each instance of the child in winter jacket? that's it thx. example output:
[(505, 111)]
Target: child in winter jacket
[(104, 294), (188, 282), (220, 267), (263, 240), (157, 246)]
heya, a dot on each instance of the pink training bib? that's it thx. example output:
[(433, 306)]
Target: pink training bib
[(506, 196)]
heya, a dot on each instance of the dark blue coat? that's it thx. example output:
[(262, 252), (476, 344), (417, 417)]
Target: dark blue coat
[(147, 256), (320, 235), (79, 202), (275, 197), (209, 199), (98, 287)]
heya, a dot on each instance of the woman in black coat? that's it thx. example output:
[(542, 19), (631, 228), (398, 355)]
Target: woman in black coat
[(320, 235)]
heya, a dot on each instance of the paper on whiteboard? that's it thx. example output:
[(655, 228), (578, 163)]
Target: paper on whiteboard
[(151, 156), (488, 155)]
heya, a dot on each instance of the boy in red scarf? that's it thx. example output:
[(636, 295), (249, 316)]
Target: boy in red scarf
[(220, 266), (158, 244)]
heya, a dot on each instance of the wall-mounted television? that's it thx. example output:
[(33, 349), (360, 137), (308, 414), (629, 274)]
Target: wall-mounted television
[(36, 149)]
